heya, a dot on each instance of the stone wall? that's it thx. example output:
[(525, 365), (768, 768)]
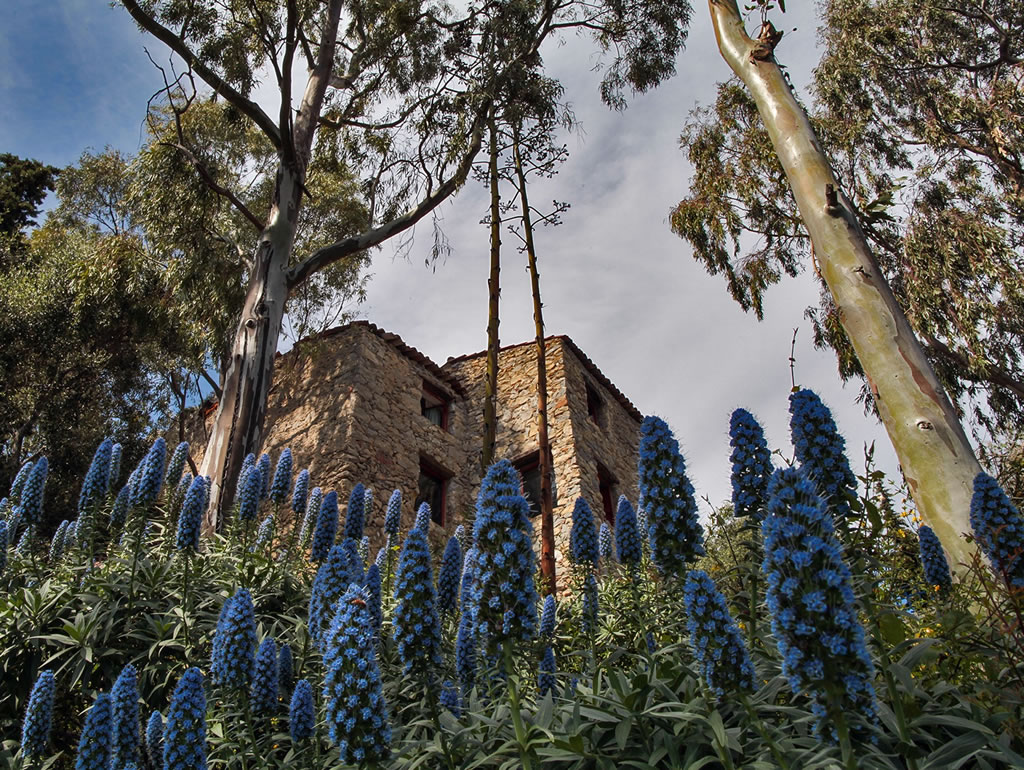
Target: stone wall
[(348, 404)]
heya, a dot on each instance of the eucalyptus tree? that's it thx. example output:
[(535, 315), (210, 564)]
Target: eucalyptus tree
[(914, 207), (398, 95)]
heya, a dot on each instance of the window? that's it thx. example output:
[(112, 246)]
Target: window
[(529, 472), (432, 489), (595, 405), (435, 406), (609, 492)]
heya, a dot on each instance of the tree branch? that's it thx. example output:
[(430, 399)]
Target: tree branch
[(990, 373), (209, 381), (217, 188), (321, 258), (216, 82)]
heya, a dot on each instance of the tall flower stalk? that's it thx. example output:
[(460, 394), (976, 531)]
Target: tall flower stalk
[(821, 452), (187, 543), (814, 612), (416, 624), (95, 741), (999, 529), (35, 730), (184, 736), (717, 645)]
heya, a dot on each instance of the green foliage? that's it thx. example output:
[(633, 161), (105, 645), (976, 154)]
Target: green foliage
[(950, 665)]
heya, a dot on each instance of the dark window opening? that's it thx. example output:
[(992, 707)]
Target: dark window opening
[(435, 406), (595, 406), (529, 472), (609, 492), (432, 490)]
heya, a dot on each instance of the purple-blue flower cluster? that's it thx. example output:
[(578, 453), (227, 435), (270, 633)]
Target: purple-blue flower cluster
[(450, 698), (234, 643), (265, 682), (282, 477), (356, 713), (605, 547), (933, 560), (151, 474), (355, 513), (393, 513), (751, 465), (191, 517), (503, 597), (114, 468), (185, 733), (326, 527), (422, 520), (119, 511), (265, 534), (301, 712), (812, 604), (721, 655), (590, 604), (627, 535), (667, 496), (449, 575), (154, 736), (285, 670), (416, 624), (309, 518), (94, 743), (57, 542), (547, 618), (94, 488), (821, 451), (546, 681), (176, 465), (263, 466), (999, 529), (32, 493), (35, 730), (372, 589), (583, 535), (124, 702), (332, 580), (249, 482), (301, 492)]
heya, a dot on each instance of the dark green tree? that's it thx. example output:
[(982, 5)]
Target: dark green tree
[(24, 184)]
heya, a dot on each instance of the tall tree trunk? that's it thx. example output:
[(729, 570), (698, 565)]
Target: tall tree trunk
[(238, 425), (937, 459), (547, 514), (491, 385)]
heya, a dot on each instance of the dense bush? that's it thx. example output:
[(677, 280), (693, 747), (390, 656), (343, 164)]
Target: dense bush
[(733, 660)]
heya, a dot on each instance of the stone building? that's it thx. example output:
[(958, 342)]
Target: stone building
[(358, 404)]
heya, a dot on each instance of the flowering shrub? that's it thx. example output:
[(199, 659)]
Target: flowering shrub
[(604, 540), (263, 466), (234, 644), (302, 712), (416, 624), (667, 497), (933, 560), (31, 506), (393, 513), (265, 681), (95, 742), (813, 608), (94, 488), (627, 535), (35, 730), (357, 715), (355, 514), (332, 580), (249, 493), (191, 517), (547, 618), (154, 739), (124, 702), (185, 733), (114, 469), (309, 518), (751, 464), (372, 589), (583, 535), (151, 475), (282, 477), (449, 576), (422, 520), (300, 494), (176, 465), (502, 595), (999, 529), (822, 451), (326, 527), (546, 682), (717, 645)]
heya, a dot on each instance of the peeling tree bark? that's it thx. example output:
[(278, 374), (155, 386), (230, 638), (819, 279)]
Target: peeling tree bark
[(937, 459), (547, 514)]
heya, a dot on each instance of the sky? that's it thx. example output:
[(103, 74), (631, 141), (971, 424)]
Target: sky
[(74, 75)]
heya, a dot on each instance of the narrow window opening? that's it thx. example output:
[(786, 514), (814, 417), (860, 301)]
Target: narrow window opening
[(609, 489), (432, 489), (595, 405), (529, 473)]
